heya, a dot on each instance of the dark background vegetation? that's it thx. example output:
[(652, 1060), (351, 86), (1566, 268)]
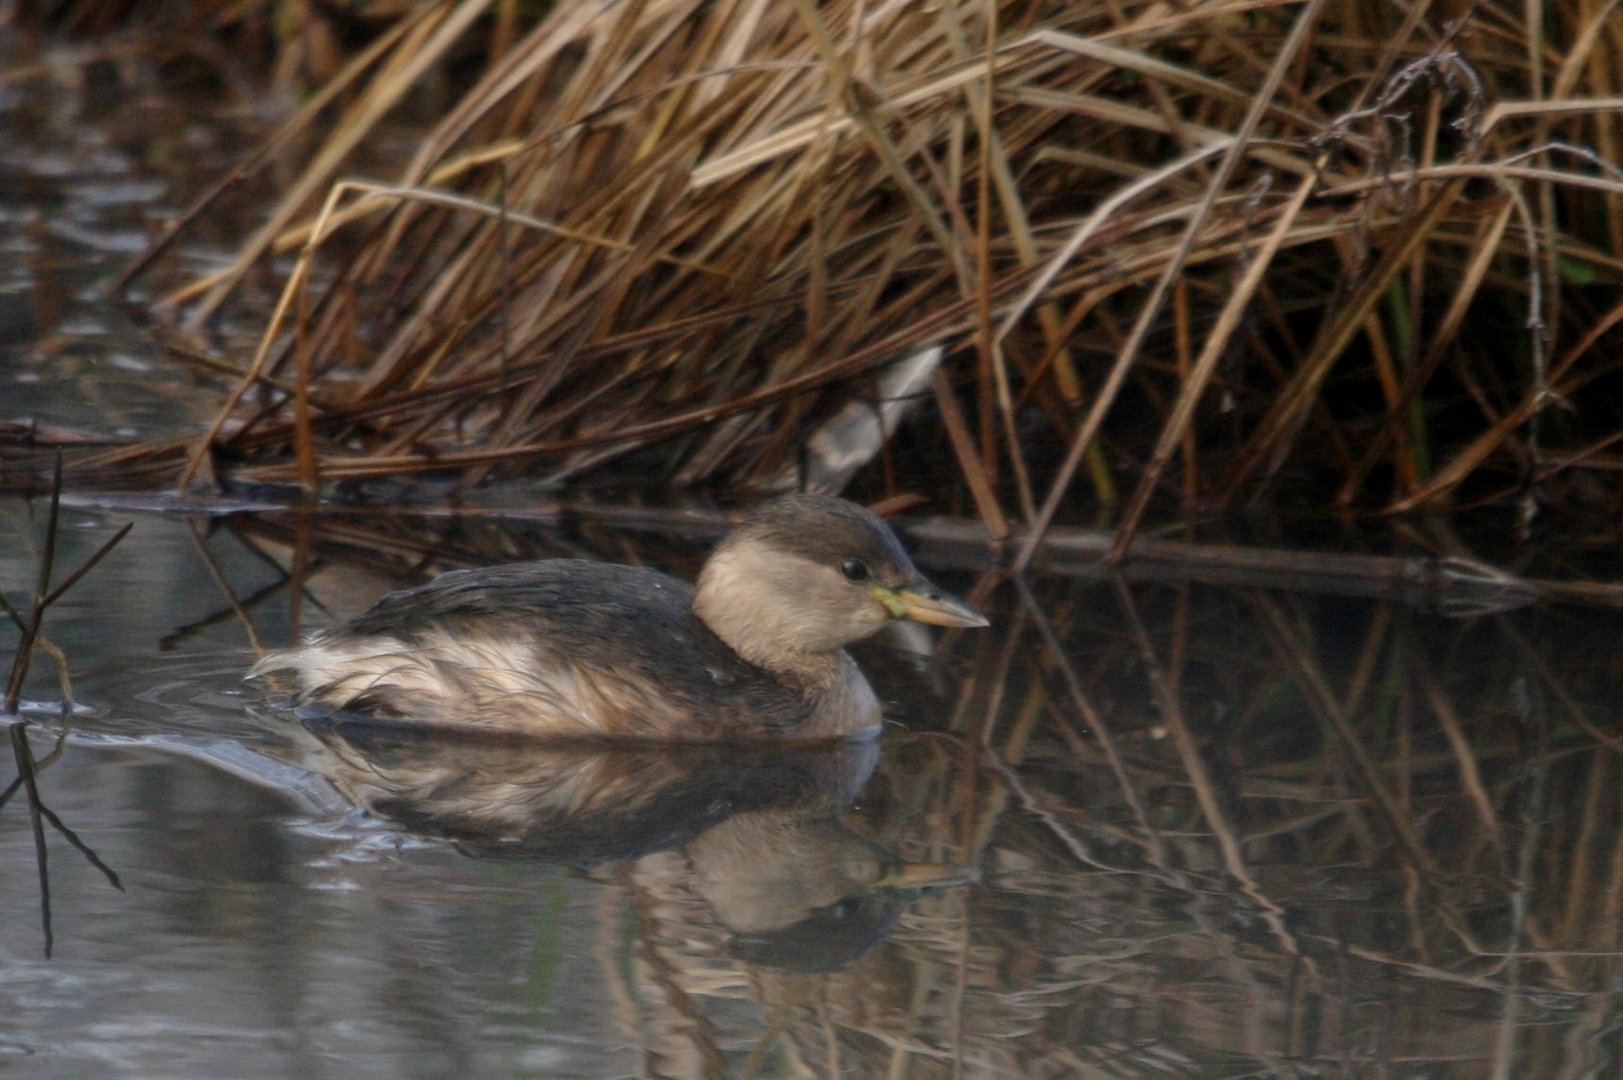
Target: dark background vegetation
[(1319, 253)]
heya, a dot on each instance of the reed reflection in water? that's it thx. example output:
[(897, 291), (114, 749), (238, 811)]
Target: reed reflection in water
[(1214, 831)]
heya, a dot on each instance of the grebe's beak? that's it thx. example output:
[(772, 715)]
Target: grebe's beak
[(922, 876), (922, 602)]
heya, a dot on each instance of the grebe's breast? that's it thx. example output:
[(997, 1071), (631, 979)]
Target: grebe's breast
[(567, 648)]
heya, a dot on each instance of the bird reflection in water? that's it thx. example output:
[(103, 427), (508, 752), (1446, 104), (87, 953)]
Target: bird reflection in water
[(753, 833)]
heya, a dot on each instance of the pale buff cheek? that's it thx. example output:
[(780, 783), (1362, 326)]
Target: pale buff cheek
[(768, 605)]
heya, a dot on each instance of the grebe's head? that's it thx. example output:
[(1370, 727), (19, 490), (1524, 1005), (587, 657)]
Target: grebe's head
[(809, 574)]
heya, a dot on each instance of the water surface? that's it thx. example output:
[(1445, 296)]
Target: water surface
[(1174, 831)]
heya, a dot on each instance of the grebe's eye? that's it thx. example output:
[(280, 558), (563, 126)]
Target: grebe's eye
[(855, 570)]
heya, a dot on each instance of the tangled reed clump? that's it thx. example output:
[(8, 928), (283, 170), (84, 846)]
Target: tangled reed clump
[(1197, 247)]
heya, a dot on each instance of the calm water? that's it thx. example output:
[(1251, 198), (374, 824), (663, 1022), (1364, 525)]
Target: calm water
[(1351, 838), (1142, 830)]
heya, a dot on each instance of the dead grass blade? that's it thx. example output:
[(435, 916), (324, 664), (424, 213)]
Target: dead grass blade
[(29, 627), (669, 239)]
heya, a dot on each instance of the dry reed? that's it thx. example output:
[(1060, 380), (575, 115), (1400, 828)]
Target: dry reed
[(1201, 250)]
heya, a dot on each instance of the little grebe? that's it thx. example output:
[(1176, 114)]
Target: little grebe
[(572, 648)]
